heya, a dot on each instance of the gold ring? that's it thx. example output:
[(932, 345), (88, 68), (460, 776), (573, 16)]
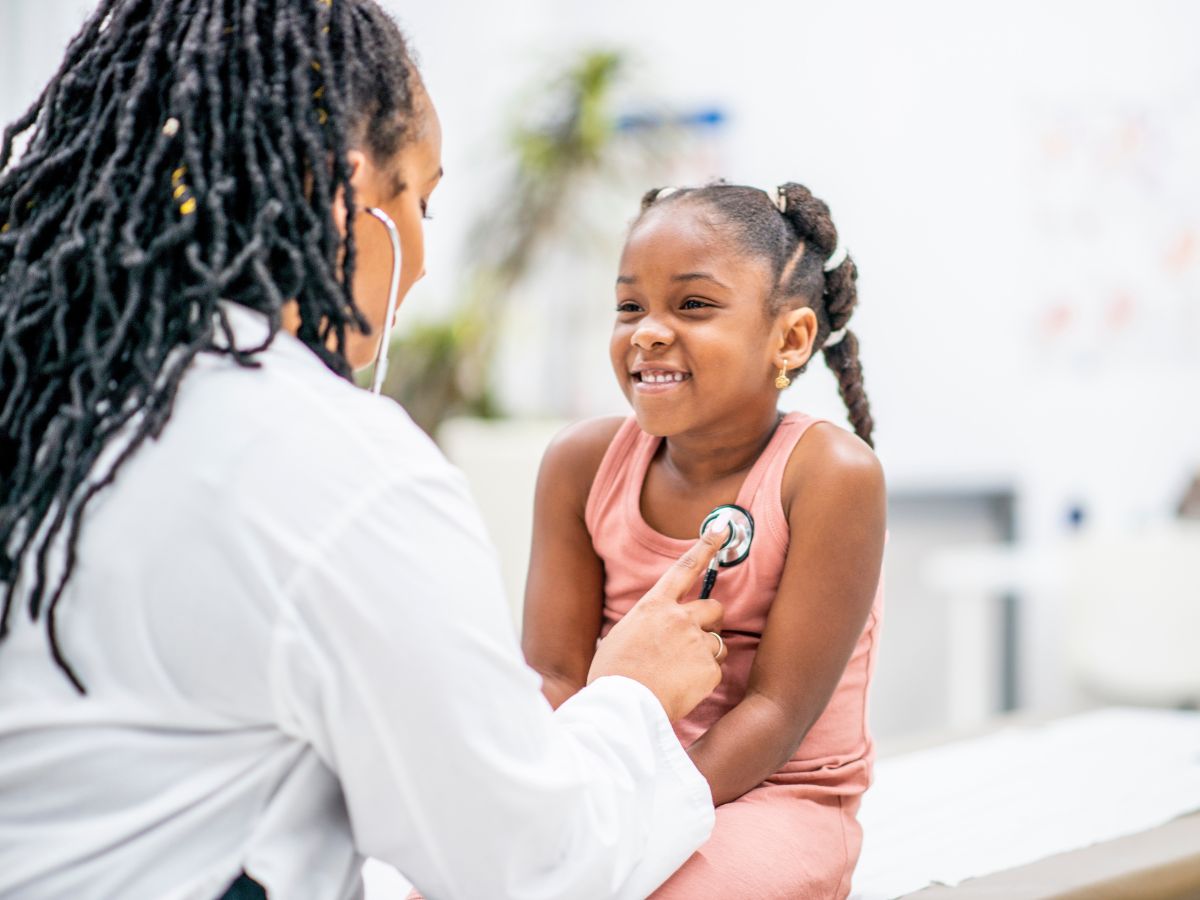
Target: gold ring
[(720, 644)]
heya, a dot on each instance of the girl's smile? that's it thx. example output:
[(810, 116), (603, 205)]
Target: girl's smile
[(655, 378)]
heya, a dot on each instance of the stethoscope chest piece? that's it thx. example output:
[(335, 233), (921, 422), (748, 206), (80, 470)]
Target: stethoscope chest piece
[(739, 527)]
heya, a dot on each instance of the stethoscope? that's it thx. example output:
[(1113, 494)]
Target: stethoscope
[(738, 525), (385, 339), (736, 522)]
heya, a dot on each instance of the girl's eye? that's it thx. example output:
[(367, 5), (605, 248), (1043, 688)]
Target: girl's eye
[(628, 307), (693, 303)]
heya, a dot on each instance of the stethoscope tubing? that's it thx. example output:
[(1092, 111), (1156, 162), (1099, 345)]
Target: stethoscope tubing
[(385, 337)]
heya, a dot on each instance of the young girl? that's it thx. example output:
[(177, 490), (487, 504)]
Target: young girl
[(723, 296)]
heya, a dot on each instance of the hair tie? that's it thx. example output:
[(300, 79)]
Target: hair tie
[(781, 200), (836, 258), (663, 193), (835, 338), (182, 193)]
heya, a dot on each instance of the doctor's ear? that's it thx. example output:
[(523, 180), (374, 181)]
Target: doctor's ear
[(797, 332), (357, 162)]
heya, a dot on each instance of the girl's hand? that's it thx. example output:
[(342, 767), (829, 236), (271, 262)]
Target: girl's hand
[(666, 644)]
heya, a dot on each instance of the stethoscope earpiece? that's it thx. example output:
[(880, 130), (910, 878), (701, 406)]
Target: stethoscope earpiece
[(739, 527)]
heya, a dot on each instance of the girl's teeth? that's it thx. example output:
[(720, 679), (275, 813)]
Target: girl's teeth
[(662, 378)]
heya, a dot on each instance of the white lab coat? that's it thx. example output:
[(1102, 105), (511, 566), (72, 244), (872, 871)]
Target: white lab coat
[(290, 624)]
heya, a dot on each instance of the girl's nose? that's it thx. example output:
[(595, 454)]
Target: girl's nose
[(650, 333)]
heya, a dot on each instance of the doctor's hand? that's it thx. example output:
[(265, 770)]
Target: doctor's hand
[(669, 646)]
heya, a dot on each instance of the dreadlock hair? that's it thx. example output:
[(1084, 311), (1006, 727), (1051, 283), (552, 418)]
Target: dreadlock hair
[(186, 151), (796, 243)]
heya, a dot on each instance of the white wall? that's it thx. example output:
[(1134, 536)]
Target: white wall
[(33, 36), (925, 125), (1017, 182)]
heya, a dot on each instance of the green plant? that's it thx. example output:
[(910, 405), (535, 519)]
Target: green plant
[(440, 368)]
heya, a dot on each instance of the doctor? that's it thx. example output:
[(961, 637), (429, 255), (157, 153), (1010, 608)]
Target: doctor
[(252, 627)]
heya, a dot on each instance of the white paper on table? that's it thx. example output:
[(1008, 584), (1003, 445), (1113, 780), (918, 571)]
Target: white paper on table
[(973, 807)]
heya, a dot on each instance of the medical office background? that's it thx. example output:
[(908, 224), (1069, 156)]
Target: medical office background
[(1020, 185)]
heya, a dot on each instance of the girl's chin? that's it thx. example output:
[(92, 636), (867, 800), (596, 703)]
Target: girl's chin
[(662, 409), (659, 422)]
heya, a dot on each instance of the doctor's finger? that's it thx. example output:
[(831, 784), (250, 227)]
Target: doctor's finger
[(684, 571)]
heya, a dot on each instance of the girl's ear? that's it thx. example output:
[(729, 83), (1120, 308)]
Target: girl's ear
[(797, 331)]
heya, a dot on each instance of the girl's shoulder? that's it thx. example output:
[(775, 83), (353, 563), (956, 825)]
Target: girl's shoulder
[(830, 468), (573, 457), (585, 443)]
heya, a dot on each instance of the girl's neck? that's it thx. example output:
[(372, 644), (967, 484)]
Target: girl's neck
[(706, 457)]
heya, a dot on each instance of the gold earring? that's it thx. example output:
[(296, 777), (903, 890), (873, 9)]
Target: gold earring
[(781, 380)]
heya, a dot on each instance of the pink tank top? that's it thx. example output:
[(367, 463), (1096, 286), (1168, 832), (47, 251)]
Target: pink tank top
[(836, 754)]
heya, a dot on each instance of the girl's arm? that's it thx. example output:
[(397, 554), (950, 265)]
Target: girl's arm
[(564, 593), (834, 497)]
